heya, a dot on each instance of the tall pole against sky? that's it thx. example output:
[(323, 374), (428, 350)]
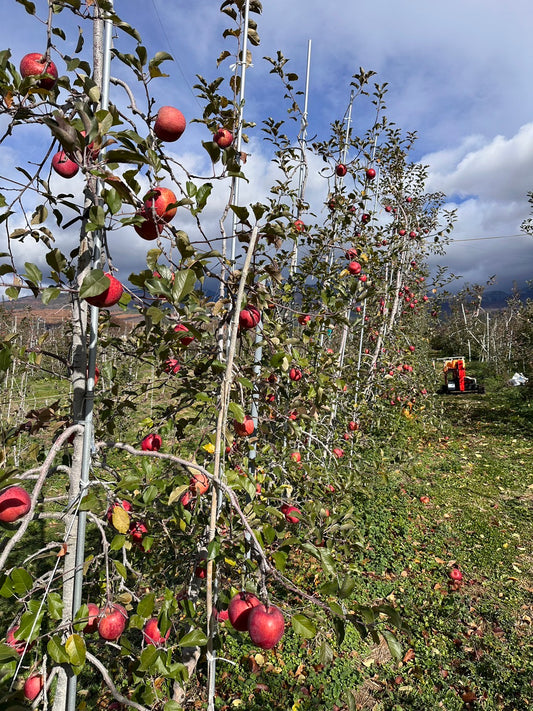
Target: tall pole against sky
[(302, 174), (91, 356), (240, 114)]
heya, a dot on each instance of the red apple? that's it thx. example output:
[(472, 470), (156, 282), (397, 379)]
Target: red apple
[(172, 366), (148, 229), (351, 254), (137, 531), (33, 687), (456, 575), (295, 374), (220, 615), (151, 443), (249, 318), (223, 138), (363, 278), (402, 232), (15, 503), (338, 452), (199, 483), (201, 571), (291, 513), (425, 500), (353, 425), (92, 618), (388, 208), (341, 170), (296, 457), (169, 124), (110, 296), (239, 610), (299, 226), (304, 319), (354, 268), (35, 64), (18, 645), (370, 173), (158, 201), (243, 429), (365, 218), (409, 199), (184, 340), (347, 436), (412, 349), (152, 634), (412, 234), (124, 504), (112, 622), (64, 166), (266, 626)]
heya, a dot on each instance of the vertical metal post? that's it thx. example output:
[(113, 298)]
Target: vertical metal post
[(302, 174), (235, 181), (91, 367)]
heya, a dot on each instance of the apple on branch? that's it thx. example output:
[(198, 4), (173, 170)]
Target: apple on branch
[(169, 124), (36, 64), (15, 503), (266, 625)]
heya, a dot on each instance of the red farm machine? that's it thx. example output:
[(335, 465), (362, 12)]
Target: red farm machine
[(456, 382)]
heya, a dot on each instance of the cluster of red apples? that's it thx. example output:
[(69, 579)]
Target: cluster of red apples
[(264, 623)]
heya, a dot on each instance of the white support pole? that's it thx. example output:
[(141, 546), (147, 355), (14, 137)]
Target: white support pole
[(235, 182), (302, 174)]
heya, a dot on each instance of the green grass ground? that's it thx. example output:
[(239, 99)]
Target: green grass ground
[(466, 646)]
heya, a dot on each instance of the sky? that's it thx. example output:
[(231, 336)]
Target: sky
[(458, 73)]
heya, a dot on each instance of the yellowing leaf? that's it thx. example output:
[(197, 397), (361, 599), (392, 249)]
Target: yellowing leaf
[(121, 519)]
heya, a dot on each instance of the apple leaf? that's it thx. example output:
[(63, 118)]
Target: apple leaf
[(393, 644), (7, 653), (145, 607), (121, 569), (81, 618), (148, 657), (94, 283), (184, 282), (120, 519), (177, 493), (325, 653), (236, 411), (303, 626), (75, 648), (196, 638), (56, 650), (55, 606), (21, 581)]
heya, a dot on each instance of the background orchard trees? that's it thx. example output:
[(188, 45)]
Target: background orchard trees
[(234, 477)]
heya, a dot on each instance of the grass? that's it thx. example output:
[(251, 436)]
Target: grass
[(466, 646)]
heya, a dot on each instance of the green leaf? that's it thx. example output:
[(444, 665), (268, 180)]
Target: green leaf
[(184, 282), (121, 569), (280, 560), (146, 605), (81, 618), (183, 244), (21, 581), (76, 650), (201, 196), (94, 283), (325, 653), (348, 584), (113, 200), (55, 606), (118, 542), (56, 260), (303, 626), (236, 411), (7, 652), (56, 650), (148, 656), (33, 273), (177, 493), (393, 644), (49, 294), (241, 212), (172, 706), (196, 638)]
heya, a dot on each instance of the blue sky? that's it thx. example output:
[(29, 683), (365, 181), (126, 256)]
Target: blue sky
[(458, 73)]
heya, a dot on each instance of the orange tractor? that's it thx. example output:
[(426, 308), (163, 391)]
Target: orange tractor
[(456, 381)]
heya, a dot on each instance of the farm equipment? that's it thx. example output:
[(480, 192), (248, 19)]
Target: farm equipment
[(456, 382)]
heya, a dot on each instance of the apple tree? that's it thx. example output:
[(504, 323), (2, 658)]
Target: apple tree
[(268, 355)]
